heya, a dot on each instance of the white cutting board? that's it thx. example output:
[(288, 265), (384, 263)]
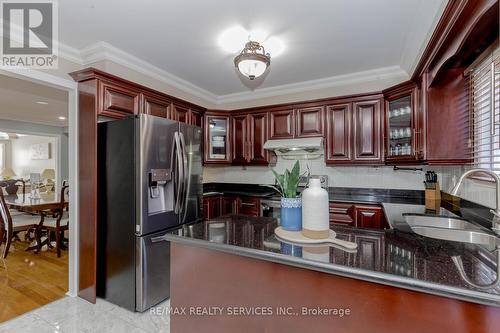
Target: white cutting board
[(298, 237)]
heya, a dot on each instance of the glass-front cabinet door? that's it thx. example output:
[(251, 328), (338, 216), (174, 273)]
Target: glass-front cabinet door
[(217, 148), (400, 127)]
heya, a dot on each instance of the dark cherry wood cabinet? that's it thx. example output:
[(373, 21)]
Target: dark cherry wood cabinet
[(240, 148), (338, 133), (157, 105), (357, 215), (257, 136), (181, 113), (211, 207), (229, 205), (309, 121), (217, 144), (402, 125), (354, 132), (117, 100), (367, 132), (370, 217), (249, 133), (215, 206), (342, 213), (282, 124), (249, 206), (196, 117)]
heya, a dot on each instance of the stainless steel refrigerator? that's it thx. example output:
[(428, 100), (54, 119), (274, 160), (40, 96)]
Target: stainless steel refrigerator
[(150, 181)]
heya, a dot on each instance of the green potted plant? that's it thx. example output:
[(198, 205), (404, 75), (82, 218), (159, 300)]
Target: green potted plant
[(291, 203)]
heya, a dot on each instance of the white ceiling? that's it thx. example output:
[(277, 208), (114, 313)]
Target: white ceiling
[(323, 38), (18, 102)]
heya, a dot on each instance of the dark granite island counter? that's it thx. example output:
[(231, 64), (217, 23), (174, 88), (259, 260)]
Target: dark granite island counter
[(394, 282)]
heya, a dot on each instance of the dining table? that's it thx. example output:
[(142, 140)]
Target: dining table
[(39, 204), (31, 204)]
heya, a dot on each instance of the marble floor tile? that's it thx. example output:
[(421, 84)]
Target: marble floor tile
[(150, 322), (27, 323), (72, 314), (87, 322)]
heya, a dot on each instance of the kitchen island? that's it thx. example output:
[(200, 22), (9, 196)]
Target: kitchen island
[(395, 281)]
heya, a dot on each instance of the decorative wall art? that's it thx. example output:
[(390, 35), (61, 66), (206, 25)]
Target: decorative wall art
[(40, 151)]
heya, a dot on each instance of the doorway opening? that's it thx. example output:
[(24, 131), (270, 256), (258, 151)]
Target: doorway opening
[(36, 217)]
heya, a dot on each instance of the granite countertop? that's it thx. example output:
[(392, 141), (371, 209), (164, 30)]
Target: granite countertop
[(393, 257)]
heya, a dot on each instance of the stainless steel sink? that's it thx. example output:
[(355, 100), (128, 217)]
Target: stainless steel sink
[(452, 229), (477, 237), (440, 222), (458, 230)]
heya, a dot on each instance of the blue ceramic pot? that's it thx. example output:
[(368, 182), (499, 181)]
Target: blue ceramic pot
[(291, 214)]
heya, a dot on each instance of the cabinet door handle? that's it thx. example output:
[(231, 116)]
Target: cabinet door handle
[(248, 204), (335, 210)]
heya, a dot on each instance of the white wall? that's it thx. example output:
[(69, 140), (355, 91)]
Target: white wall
[(21, 161), (53, 131), (361, 177)]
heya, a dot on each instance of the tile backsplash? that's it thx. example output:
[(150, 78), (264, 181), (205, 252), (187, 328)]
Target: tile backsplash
[(359, 176)]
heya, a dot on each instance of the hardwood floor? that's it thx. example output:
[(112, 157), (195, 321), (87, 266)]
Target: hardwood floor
[(28, 280)]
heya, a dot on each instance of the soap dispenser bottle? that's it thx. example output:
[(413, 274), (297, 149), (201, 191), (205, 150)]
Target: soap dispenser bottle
[(315, 211)]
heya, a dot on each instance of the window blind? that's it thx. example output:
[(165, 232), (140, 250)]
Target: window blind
[(485, 104)]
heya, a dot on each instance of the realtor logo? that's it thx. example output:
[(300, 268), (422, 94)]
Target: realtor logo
[(29, 34)]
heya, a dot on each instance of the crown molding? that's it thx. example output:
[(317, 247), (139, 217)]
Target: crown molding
[(103, 51), (392, 72)]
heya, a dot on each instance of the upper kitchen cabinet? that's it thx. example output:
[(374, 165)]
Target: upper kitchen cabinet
[(156, 105), (217, 138), (240, 143), (367, 132), (250, 132), (338, 133), (196, 117), (309, 121), (118, 100), (354, 131), (282, 124), (401, 124), (180, 113)]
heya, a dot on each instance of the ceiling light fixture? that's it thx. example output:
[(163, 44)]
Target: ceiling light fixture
[(61, 118), (253, 60), (42, 103)]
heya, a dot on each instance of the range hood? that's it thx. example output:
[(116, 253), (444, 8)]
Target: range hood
[(296, 149)]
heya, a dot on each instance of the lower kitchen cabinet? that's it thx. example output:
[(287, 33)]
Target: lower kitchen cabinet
[(370, 217), (342, 213), (356, 215), (215, 206), (229, 205), (211, 207), (249, 206)]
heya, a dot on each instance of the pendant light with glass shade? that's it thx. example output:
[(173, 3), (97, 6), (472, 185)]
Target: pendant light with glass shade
[(253, 60)]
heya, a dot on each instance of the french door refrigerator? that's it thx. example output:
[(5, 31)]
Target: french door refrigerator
[(150, 181)]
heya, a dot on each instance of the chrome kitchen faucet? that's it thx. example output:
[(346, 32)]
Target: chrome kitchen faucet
[(496, 213)]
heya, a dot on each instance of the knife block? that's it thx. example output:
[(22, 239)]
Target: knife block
[(433, 198)]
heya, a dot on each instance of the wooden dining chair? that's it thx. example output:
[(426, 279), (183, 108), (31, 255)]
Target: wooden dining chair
[(13, 224), (58, 221)]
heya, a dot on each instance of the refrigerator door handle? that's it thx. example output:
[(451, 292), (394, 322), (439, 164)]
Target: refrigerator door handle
[(185, 173), (179, 174)]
